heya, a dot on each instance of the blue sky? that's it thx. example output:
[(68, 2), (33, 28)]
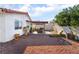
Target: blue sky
[(38, 12)]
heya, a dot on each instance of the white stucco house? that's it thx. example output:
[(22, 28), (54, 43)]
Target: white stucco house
[(12, 22)]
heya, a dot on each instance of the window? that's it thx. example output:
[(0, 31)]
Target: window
[(18, 24)]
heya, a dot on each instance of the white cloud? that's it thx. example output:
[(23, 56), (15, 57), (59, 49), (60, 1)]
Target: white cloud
[(40, 1), (37, 11), (40, 10), (67, 5), (52, 5), (5, 6), (44, 9), (10, 6), (24, 8), (62, 5)]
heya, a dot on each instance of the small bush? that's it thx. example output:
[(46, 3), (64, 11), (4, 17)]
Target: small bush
[(57, 35), (76, 39)]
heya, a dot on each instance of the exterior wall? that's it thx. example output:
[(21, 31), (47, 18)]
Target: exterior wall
[(37, 26), (9, 25), (49, 27), (2, 28), (57, 28)]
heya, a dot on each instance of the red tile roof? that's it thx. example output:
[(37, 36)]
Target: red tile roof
[(4, 10)]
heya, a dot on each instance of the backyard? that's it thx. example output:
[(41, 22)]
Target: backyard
[(40, 44)]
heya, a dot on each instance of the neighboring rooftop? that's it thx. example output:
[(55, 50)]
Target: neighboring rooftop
[(37, 21)]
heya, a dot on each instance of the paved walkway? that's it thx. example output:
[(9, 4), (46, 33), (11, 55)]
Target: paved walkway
[(44, 39), (38, 43)]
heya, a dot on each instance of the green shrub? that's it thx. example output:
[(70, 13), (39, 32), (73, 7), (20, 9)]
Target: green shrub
[(57, 35)]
